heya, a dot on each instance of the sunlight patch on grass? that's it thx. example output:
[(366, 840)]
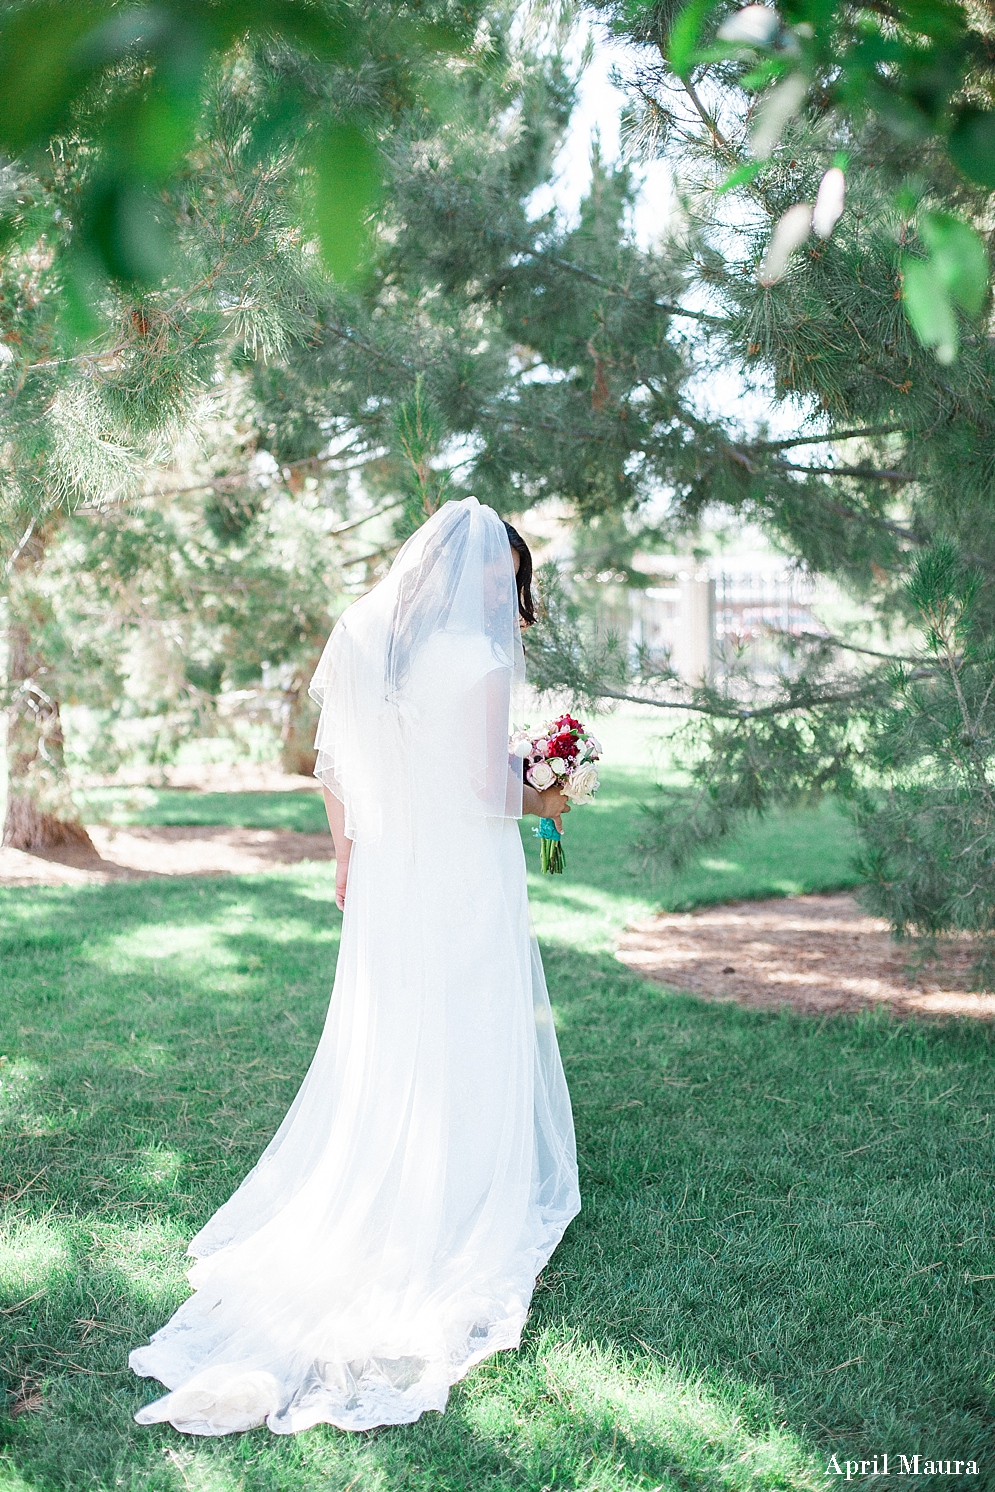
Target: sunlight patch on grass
[(303, 811), (140, 1056), (30, 1255), (598, 935), (583, 917), (12, 1481), (17, 1078), (194, 947), (150, 1256), (584, 1416), (193, 942), (156, 1169), (661, 1407), (293, 930), (562, 895), (200, 1470), (319, 887)]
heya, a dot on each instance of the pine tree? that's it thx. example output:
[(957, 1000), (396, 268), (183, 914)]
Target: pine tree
[(131, 283), (325, 381), (899, 510)]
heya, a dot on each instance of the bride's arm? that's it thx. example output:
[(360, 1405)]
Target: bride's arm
[(343, 846)]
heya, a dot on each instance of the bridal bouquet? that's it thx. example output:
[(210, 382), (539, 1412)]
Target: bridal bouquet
[(563, 753)]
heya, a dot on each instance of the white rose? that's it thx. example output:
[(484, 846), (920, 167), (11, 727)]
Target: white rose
[(522, 748), (581, 785), (594, 746), (541, 776), (558, 765)]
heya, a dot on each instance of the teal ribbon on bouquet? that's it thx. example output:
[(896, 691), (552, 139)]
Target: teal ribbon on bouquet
[(550, 848)]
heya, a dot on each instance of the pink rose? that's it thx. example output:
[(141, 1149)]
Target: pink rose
[(541, 776)]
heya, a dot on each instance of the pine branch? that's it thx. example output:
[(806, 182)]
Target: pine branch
[(233, 478), (850, 647), (381, 553), (345, 528), (831, 435), (738, 453), (718, 139), (849, 471), (883, 523), (670, 307), (346, 334), (742, 712), (20, 547), (489, 417)]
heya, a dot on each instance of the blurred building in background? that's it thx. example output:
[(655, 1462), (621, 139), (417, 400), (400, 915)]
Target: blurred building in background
[(730, 611), (710, 617), (705, 614)]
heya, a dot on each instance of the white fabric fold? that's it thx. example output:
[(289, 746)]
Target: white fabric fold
[(391, 1234)]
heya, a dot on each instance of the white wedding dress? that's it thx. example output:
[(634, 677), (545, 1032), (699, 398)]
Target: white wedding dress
[(391, 1234)]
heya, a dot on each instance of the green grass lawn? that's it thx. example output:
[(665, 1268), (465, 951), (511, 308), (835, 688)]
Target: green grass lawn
[(303, 811), (785, 1248)]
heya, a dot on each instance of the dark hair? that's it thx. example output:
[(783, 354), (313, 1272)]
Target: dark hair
[(526, 605)]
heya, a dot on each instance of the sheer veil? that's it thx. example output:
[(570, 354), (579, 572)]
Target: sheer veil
[(415, 680), (391, 1233)]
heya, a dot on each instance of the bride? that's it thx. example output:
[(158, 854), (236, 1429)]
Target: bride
[(391, 1234)]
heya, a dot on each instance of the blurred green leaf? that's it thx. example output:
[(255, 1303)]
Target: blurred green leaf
[(682, 46), (972, 146), (941, 20), (742, 176), (164, 126), (125, 235), (349, 179), (80, 295), (960, 258), (758, 77), (42, 66), (719, 52), (928, 307), (51, 49), (956, 273), (325, 30)]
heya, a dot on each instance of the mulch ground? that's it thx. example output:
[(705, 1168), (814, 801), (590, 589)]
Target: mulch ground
[(136, 852), (814, 953)]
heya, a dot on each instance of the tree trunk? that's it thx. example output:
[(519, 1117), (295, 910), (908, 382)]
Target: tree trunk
[(40, 810), (297, 753)]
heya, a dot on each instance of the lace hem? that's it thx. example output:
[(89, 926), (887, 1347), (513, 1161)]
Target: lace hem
[(228, 1398)]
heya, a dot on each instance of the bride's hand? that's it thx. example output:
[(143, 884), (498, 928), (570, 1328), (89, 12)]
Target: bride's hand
[(551, 804), (335, 809), (341, 877)]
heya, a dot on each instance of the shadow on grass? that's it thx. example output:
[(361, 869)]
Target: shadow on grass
[(782, 1252)]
